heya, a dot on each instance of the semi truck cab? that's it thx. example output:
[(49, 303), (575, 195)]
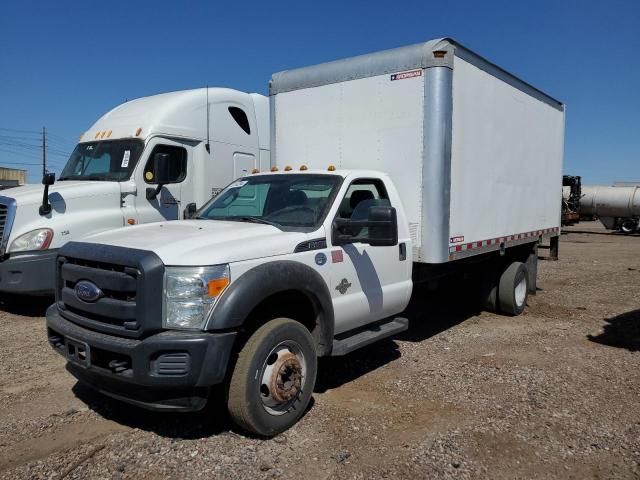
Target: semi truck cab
[(275, 271), (204, 138)]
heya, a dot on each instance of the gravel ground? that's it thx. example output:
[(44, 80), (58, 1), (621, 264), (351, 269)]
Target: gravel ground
[(553, 393)]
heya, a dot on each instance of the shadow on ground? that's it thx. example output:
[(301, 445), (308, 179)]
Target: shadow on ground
[(622, 331), (213, 420), (429, 313), (24, 305)]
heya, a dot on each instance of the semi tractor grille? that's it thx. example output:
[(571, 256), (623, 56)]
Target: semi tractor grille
[(7, 213), (110, 289)]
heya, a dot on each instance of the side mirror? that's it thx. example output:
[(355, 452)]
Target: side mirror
[(47, 179), (383, 231), (161, 174), (190, 211), (382, 225)]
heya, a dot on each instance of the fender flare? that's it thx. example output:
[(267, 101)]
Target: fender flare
[(263, 281)]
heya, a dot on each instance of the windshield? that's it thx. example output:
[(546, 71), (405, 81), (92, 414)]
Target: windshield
[(112, 160), (297, 201)]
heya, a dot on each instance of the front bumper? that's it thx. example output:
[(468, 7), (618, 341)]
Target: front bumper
[(32, 273), (170, 370)]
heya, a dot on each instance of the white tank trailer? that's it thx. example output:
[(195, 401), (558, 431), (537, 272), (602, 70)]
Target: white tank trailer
[(618, 208)]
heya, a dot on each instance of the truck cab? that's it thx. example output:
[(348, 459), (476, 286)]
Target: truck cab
[(203, 137), (276, 270)]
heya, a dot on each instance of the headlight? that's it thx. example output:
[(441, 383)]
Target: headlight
[(190, 293), (35, 240)]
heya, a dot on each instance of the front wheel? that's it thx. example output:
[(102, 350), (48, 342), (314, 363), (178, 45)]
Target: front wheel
[(272, 382)]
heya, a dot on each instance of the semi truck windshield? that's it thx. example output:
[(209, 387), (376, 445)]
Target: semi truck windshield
[(111, 160), (285, 201)]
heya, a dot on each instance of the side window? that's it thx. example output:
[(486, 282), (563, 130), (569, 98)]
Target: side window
[(177, 162), (364, 193), (241, 119)]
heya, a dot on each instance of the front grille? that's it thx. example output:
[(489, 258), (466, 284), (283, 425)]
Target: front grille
[(116, 309), (130, 281), (7, 213)]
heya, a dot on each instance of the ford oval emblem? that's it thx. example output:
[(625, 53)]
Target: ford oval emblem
[(87, 291)]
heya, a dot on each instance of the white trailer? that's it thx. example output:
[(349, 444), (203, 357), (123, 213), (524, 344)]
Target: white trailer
[(475, 151)]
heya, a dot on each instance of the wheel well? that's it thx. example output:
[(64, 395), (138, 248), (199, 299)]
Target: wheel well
[(296, 305)]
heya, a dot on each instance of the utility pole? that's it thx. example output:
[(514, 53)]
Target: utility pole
[(44, 152)]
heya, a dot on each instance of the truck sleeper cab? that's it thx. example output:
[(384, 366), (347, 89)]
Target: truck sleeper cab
[(110, 178)]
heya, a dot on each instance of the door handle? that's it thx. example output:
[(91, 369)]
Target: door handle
[(402, 251)]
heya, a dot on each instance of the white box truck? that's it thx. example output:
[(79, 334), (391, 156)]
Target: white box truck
[(108, 180), (427, 161)]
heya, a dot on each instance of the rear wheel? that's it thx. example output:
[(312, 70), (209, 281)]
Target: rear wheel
[(273, 379), (513, 289)]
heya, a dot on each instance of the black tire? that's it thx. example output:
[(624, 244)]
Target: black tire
[(511, 299), (489, 290), (628, 226), (247, 398)]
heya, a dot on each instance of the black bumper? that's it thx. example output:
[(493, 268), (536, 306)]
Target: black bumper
[(31, 273), (171, 370)]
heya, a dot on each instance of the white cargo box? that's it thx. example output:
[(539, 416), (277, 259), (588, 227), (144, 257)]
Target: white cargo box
[(475, 152)]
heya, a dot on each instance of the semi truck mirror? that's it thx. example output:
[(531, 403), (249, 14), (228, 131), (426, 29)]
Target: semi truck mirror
[(161, 174), (47, 179)]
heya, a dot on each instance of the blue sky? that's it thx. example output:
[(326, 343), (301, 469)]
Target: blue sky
[(63, 64)]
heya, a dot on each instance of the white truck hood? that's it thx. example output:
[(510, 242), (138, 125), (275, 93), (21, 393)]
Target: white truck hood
[(78, 208), (203, 242), (61, 191)]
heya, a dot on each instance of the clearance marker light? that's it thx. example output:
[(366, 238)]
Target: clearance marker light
[(303, 168), (103, 134), (255, 170), (138, 132), (131, 221), (332, 168), (288, 168), (439, 54), (215, 287), (109, 134), (274, 169), (97, 135)]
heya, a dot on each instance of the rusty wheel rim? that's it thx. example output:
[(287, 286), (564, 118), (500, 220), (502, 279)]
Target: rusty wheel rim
[(282, 377)]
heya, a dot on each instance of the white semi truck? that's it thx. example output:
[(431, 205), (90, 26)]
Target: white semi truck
[(108, 181), (394, 167)]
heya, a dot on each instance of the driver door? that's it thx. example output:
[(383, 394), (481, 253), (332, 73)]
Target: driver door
[(367, 283), (168, 204)]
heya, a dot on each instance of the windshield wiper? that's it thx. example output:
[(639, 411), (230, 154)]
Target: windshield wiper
[(242, 218), (254, 220)]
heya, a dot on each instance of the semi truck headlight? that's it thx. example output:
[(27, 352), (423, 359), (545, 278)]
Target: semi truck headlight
[(35, 240), (190, 293)]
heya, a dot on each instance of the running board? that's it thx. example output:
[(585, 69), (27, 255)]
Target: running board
[(365, 337)]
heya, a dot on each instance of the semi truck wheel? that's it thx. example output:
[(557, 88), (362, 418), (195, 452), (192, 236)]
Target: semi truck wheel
[(273, 379), (513, 289)]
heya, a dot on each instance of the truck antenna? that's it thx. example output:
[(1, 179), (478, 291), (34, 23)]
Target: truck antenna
[(207, 145)]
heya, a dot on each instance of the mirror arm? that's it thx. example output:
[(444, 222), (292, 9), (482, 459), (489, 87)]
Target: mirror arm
[(153, 194), (45, 208)]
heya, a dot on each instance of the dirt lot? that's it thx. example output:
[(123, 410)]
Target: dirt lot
[(554, 393)]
